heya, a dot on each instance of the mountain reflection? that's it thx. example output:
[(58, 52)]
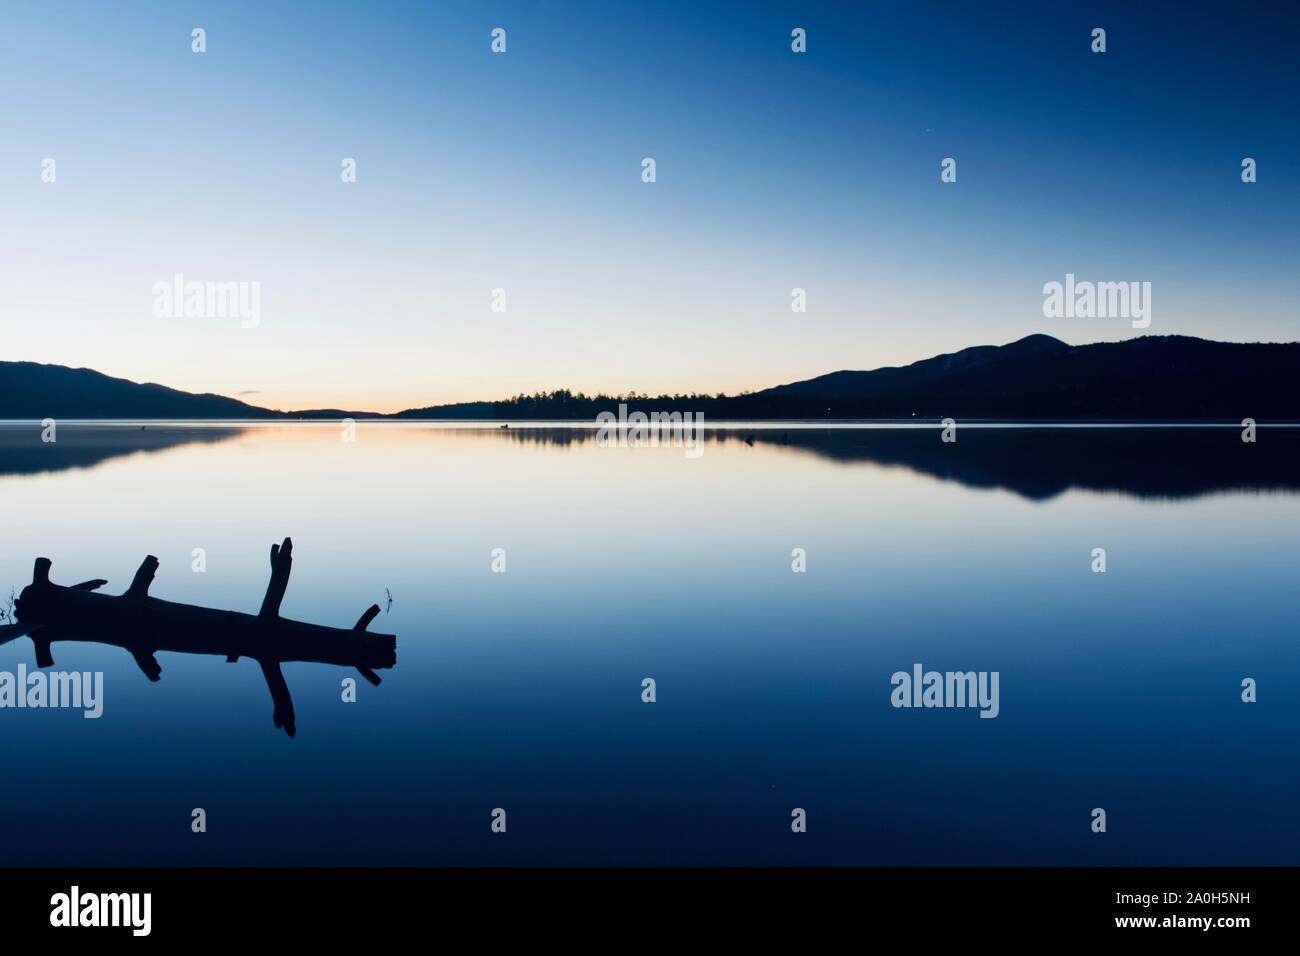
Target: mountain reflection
[(22, 451), (1038, 463)]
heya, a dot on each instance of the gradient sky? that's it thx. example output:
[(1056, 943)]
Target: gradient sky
[(522, 171)]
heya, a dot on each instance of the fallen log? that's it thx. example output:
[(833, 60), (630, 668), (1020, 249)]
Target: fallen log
[(144, 625)]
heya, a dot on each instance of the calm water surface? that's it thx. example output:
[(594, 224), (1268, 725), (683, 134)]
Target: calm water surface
[(522, 690)]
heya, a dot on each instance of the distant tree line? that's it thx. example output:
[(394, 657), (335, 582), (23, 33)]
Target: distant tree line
[(583, 405)]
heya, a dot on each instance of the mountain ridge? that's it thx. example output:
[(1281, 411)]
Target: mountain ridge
[(1037, 377)]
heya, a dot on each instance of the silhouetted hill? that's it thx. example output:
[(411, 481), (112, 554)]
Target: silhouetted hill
[(923, 374), (29, 390), (32, 391), (1038, 378)]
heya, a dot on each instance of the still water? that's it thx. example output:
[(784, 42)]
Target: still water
[(523, 690)]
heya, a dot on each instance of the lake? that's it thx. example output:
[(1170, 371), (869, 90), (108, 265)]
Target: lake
[(521, 688)]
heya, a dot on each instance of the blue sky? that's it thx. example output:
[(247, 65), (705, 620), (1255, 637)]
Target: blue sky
[(521, 171)]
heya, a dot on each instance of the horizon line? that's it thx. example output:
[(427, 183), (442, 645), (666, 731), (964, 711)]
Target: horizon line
[(633, 395)]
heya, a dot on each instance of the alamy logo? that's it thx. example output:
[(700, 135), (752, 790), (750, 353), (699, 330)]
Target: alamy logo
[(55, 689), (922, 688), (179, 299), (103, 909), (636, 430), (1098, 300)]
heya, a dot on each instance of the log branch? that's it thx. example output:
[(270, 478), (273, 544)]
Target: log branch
[(11, 632), (281, 562), (43, 656), (147, 663), (364, 621), (143, 578), (283, 715)]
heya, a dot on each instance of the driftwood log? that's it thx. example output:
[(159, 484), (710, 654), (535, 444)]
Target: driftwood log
[(144, 625)]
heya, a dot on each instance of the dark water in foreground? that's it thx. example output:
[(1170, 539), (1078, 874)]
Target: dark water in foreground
[(522, 690)]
